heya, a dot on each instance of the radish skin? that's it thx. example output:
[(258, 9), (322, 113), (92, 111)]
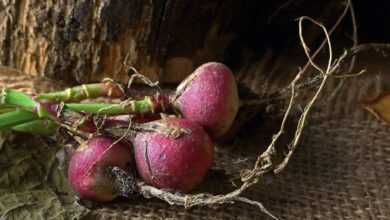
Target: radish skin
[(178, 163), (87, 174), (209, 97)]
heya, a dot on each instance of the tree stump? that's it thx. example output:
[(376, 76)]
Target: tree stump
[(87, 40)]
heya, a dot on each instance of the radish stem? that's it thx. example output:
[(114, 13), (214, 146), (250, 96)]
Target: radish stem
[(9, 97), (148, 105), (85, 91), (16, 117)]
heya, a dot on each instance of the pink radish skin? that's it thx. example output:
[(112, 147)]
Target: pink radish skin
[(209, 97), (86, 168), (174, 163)]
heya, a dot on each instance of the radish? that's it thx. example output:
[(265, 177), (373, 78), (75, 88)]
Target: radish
[(88, 173), (209, 97), (169, 162)]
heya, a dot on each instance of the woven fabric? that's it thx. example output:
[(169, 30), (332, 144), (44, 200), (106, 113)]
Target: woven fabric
[(340, 170)]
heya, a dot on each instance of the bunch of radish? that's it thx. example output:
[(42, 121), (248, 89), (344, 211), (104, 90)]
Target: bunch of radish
[(171, 152)]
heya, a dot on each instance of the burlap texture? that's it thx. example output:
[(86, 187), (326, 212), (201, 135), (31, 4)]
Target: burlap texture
[(340, 170)]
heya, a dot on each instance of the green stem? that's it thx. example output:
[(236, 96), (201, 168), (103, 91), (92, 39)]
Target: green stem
[(148, 105), (22, 113), (40, 127), (12, 100), (86, 91), (16, 117), (9, 97)]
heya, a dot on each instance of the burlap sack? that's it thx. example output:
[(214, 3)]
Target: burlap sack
[(340, 170)]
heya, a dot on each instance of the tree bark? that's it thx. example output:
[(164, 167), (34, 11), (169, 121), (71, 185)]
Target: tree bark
[(87, 40)]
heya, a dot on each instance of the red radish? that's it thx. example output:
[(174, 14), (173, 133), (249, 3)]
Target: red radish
[(178, 163), (209, 97), (87, 168)]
